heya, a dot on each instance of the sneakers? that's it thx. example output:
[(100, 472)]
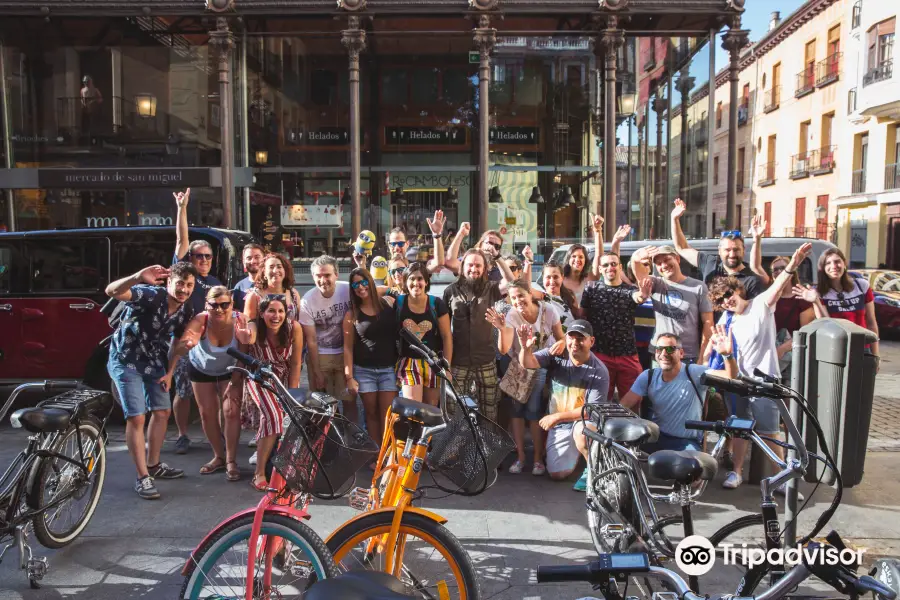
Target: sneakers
[(182, 444), (781, 490), (146, 489), (538, 469), (164, 471), (516, 467), (252, 444), (732, 481), (581, 484), (252, 460)]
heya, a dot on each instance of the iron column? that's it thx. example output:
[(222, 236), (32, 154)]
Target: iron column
[(485, 37), (222, 43), (354, 39), (732, 41)]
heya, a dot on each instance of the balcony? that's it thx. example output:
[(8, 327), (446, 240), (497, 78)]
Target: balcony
[(856, 17), (766, 174), (806, 82), (773, 99), (880, 72), (743, 114), (700, 137), (828, 70), (800, 165), (892, 177), (739, 182), (858, 185), (821, 161), (822, 231), (851, 101)]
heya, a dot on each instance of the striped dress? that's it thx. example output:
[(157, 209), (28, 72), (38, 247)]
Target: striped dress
[(271, 415)]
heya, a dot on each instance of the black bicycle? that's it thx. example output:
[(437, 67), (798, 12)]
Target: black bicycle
[(54, 484)]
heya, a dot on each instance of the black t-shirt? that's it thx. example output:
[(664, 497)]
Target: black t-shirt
[(610, 310), (374, 345), (711, 266), (424, 326)]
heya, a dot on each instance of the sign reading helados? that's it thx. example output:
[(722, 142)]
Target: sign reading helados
[(321, 215)]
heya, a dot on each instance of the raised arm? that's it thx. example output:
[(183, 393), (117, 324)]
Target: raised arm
[(597, 222), (451, 259), (121, 289), (526, 346), (681, 244), (621, 234), (757, 231), (244, 329), (772, 294), (437, 227), (721, 342), (637, 262), (182, 237), (505, 337)]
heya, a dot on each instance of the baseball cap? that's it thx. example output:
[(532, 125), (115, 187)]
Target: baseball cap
[(581, 327), (667, 249)]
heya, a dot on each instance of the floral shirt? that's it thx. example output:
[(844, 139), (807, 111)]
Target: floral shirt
[(610, 310), (141, 342)]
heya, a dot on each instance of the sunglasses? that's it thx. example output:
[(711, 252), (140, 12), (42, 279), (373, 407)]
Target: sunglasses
[(496, 245), (608, 265), (360, 282), (670, 350), (223, 306), (397, 244), (725, 296), (201, 256), (397, 271), (733, 234)]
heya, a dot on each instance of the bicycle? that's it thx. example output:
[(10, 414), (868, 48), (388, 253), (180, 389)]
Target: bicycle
[(267, 551), (392, 535), (63, 464)]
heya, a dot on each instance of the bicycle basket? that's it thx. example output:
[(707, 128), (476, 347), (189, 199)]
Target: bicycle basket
[(454, 455), (321, 455)]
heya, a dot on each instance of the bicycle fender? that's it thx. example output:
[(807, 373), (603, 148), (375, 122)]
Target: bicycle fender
[(275, 508), (410, 509)]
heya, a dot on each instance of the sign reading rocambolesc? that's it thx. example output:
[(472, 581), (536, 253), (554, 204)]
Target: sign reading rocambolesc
[(123, 178)]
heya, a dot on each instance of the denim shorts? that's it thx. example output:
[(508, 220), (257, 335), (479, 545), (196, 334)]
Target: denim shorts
[(534, 409), (376, 379), (138, 393)]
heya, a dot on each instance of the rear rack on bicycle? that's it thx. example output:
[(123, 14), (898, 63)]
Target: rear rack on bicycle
[(88, 400), (599, 413)]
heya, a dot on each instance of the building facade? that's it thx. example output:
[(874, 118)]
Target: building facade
[(307, 122)]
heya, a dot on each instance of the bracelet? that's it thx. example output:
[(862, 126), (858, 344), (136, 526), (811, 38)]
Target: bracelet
[(789, 272), (435, 235), (727, 356)]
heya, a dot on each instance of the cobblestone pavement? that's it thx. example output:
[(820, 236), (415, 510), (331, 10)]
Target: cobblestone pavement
[(884, 430)]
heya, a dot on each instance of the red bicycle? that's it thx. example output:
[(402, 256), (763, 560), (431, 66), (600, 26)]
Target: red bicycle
[(268, 551)]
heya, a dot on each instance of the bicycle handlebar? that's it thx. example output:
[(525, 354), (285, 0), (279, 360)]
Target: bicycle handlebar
[(566, 573), (244, 358), (716, 426)]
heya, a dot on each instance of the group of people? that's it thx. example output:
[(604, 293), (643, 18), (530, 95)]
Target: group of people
[(525, 351)]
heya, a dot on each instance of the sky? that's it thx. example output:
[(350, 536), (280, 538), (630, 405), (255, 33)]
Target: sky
[(756, 19)]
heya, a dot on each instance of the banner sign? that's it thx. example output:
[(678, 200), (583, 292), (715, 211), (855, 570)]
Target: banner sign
[(298, 215), (514, 136), (424, 136), (115, 178), (320, 136)]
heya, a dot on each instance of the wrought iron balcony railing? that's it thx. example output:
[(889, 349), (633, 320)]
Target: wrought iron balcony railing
[(806, 82), (858, 185), (821, 160), (879, 72), (773, 99), (766, 175), (829, 69), (800, 165)]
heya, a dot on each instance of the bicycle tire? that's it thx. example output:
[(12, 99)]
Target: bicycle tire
[(49, 471), (297, 533), (619, 499), (750, 579), (346, 537)]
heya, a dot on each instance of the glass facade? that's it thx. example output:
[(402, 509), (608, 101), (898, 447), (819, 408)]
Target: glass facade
[(140, 97)]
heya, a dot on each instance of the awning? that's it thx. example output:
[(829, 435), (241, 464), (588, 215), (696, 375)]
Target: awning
[(516, 218)]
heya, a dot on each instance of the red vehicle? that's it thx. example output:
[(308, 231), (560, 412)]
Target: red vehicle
[(52, 287)]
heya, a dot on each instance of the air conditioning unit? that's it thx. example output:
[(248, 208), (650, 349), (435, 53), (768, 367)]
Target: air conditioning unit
[(219, 5)]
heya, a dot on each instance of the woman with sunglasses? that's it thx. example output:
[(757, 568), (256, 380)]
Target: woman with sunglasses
[(206, 341), (396, 268), (275, 278), (428, 318), (576, 272), (370, 349)]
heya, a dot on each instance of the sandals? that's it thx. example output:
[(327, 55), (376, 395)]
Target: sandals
[(232, 471), (259, 484), (214, 466)]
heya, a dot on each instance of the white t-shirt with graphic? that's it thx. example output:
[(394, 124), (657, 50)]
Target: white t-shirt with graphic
[(327, 314)]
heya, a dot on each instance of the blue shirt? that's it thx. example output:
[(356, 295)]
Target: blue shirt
[(141, 342), (239, 293), (674, 402), (201, 287)]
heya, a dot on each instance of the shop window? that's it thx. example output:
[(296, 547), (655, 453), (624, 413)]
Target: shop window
[(6, 266), (425, 86), (69, 265), (457, 87), (324, 88)]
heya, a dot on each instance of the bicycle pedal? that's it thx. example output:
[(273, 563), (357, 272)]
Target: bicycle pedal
[(302, 569), (613, 529), (359, 498), (36, 568)]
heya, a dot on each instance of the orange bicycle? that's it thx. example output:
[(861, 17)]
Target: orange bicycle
[(407, 541)]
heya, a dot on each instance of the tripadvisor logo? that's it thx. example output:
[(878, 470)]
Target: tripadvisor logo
[(695, 555)]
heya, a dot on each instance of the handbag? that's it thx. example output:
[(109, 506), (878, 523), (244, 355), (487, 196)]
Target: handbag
[(518, 381)]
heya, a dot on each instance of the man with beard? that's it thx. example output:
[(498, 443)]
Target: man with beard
[(138, 357), (469, 298), (681, 303), (729, 262), (199, 253), (252, 256), (399, 245), (489, 244)]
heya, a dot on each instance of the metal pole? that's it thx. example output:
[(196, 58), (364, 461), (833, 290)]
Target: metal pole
[(659, 106), (664, 222), (485, 37), (245, 126), (7, 138), (354, 39), (628, 219), (798, 370), (710, 133), (733, 40), (612, 39), (222, 40)]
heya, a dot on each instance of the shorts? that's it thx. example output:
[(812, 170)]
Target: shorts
[(623, 370), (764, 410), (332, 366), (375, 379), (138, 393), (562, 453), (415, 371), (670, 442), (534, 409), (196, 376)]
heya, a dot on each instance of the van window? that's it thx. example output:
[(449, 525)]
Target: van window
[(136, 254), (805, 270), (6, 257), (59, 265)]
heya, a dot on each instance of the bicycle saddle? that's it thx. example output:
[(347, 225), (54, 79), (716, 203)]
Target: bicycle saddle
[(37, 420), (425, 414), (359, 585), (682, 466), (631, 431)]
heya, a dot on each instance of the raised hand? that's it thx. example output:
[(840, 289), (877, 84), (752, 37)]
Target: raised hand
[(154, 275), (464, 228), (182, 198), (242, 325), (558, 348), (437, 223), (800, 255), (757, 227), (807, 293), (680, 208), (190, 338), (526, 336), (495, 318), (360, 260), (528, 253), (622, 233), (597, 222), (721, 340), (645, 286)]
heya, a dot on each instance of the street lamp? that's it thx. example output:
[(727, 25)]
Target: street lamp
[(820, 212), (262, 157), (146, 105), (536, 197), (627, 102), (495, 196)]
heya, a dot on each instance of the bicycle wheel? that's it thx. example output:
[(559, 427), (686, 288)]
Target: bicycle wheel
[(434, 563), (57, 478), (747, 530), (220, 567), (610, 499)]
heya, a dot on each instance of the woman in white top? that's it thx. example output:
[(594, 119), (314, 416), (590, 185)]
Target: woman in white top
[(544, 321)]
